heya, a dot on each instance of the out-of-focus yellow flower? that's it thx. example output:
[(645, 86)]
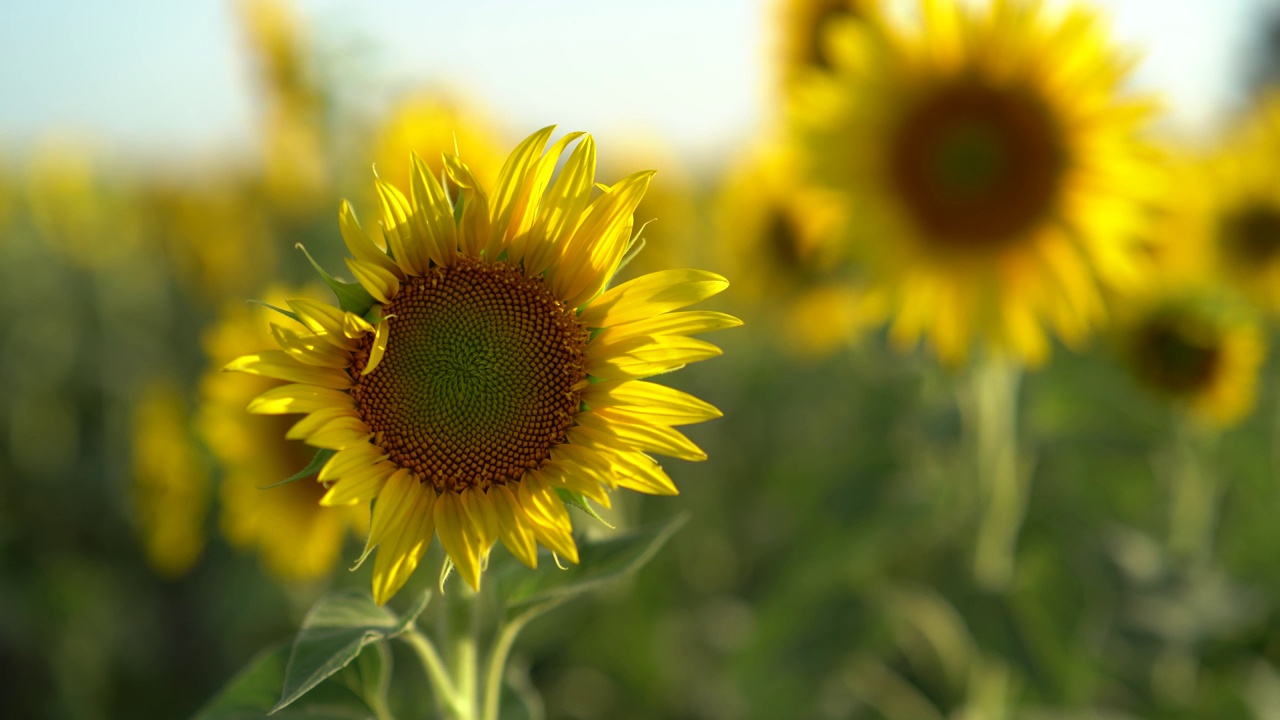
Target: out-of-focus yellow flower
[(83, 217), (993, 167), (802, 28), (1197, 353), (216, 235), (463, 394), (1228, 211), (776, 238), (433, 124), (296, 169), (296, 537), (170, 488), (673, 230)]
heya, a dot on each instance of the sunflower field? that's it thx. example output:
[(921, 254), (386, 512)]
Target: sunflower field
[(945, 387)]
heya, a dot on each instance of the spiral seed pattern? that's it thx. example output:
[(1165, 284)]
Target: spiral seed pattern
[(482, 375)]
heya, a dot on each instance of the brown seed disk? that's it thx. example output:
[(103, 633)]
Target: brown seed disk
[(480, 378)]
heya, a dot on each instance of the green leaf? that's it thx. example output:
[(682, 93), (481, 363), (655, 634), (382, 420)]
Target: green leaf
[(599, 563), (312, 468), (352, 297), (580, 501), (251, 694), (334, 632)]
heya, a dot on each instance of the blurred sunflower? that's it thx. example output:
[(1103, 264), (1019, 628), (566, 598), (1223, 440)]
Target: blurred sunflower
[(1237, 194), (432, 124), (295, 536), (802, 25), (993, 166), (776, 237), (459, 393), (1195, 353), (170, 490), (297, 171)]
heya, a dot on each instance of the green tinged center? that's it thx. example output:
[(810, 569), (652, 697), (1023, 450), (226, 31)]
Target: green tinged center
[(976, 164), (482, 375)]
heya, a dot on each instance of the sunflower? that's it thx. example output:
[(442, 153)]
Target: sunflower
[(170, 490), (668, 213), (993, 165), (295, 536), (803, 24), (1197, 353), (1237, 191), (487, 373), (775, 237)]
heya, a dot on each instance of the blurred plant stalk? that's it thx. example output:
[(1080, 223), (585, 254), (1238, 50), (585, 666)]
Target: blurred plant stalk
[(1194, 492), (1003, 488)]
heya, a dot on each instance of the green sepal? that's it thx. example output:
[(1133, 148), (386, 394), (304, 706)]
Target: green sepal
[(352, 297), (332, 636), (321, 457), (634, 249), (287, 313), (600, 562), (457, 209), (580, 501)]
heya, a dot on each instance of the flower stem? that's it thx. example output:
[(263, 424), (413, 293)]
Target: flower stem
[(496, 663), (1194, 496), (463, 629), (441, 682), (1003, 489)]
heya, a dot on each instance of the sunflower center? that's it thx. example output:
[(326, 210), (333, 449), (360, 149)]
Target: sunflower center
[(976, 165), (1251, 235), (1175, 359), (481, 375)]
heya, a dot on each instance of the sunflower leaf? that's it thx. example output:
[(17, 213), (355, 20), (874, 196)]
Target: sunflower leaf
[(600, 562), (321, 457), (580, 501), (254, 690), (352, 297), (334, 633)]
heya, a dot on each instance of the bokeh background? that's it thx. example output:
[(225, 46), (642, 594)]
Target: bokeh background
[(158, 163)]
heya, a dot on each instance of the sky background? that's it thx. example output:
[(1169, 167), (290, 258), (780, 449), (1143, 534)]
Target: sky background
[(156, 77)]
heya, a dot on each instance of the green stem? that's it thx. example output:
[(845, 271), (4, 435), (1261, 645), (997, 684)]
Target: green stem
[(1003, 489), (463, 629), (441, 682), (496, 663), (1194, 496)]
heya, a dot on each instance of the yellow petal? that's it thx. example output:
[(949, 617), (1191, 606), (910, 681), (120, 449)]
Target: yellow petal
[(432, 214), (547, 515), (513, 527), (404, 531), (354, 459), (359, 244), (524, 211), (667, 405), (597, 246), (315, 420), (460, 537), (323, 319), (360, 487), (511, 192), (299, 398), (381, 284), (677, 323), (561, 209), (379, 345), (405, 246), (642, 434), (340, 433), (279, 365), (651, 295), (473, 230), (310, 349), (645, 356)]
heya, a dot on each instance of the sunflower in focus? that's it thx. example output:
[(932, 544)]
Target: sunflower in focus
[(170, 489), (776, 237), (480, 369), (1198, 354), (994, 167), (296, 537)]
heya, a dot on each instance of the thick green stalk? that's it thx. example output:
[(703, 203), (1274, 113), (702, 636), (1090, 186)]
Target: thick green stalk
[(1003, 489)]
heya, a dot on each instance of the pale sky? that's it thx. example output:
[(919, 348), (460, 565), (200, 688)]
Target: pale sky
[(168, 77)]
